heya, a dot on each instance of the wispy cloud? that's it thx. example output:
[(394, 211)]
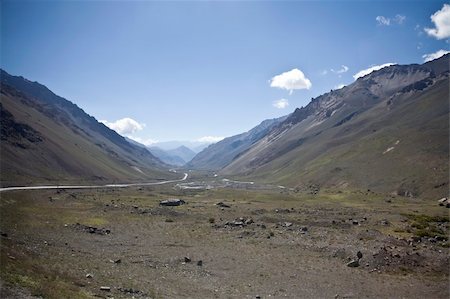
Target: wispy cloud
[(399, 19), (343, 69), (291, 80), (339, 86), (210, 139), (435, 55), (385, 21), (340, 71), (125, 126), (367, 71), (441, 20), (281, 103)]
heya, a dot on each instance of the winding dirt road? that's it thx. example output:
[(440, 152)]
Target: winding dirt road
[(91, 186)]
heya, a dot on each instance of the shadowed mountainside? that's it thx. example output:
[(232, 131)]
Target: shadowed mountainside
[(46, 138)]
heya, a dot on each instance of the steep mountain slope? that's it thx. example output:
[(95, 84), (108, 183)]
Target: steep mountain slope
[(47, 138), (388, 131), (220, 154)]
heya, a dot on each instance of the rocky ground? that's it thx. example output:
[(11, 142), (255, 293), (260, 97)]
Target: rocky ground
[(222, 243)]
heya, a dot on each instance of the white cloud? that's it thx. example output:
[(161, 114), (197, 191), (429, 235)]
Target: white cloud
[(441, 20), (399, 19), (385, 21), (339, 86), (293, 79), (343, 69), (209, 139), (125, 126), (280, 104), (435, 55), (367, 71), (146, 142)]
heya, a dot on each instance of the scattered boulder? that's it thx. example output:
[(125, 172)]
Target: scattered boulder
[(200, 263), (89, 275), (172, 202), (385, 222), (92, 229), (282, 211), (240, 222), (359, 255), (106, 289), (222, 205), (353, 264), (236, 223), (248, 221), (444, 202), (187, 259), (131, 291)]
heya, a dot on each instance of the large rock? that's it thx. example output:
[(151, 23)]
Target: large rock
[(172, 202)]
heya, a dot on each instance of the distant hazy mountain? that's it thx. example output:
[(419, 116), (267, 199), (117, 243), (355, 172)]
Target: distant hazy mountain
[(45, 138), (166, 156), (195, 146), (177, 157), (183, 152), (220, 154), (387, 131)]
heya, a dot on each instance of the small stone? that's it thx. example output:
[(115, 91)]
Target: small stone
[(355, 222), (249, 221), (89, 275), (187, 260), (107, 289), (287, 224), (200, 263), (304, 228), (353, 264), (359, 255), (258, 297), (118, 261)]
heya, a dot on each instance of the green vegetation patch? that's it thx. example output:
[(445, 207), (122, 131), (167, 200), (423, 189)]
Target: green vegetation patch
[(19, 268), (429, 226)]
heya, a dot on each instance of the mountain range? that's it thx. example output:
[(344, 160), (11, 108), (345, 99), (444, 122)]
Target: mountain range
[(387, 132)]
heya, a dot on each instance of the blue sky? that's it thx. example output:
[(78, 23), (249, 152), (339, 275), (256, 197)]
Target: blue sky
[(186, 70)]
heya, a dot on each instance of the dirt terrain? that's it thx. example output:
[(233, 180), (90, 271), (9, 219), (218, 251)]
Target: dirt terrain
[(227, 242)]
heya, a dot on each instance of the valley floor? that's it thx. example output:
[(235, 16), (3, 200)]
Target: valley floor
[(268, 243)]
